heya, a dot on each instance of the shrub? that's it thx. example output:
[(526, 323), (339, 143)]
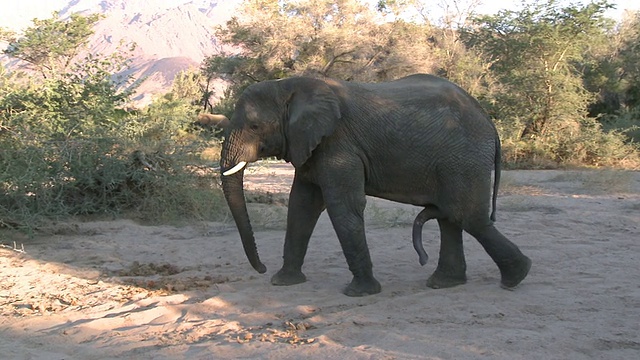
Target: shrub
[(68, 147), (569, 144), (626, 122), (143, 165)]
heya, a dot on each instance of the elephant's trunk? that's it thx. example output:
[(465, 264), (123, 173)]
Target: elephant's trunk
[(232, 187)]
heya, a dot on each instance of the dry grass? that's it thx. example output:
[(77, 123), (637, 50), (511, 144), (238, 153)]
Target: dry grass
[(377, 214), (268, 216), (606, 181), (527, 204), (211, 153), (509, 185)]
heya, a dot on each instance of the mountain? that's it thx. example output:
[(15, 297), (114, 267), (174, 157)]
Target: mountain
[(170, 35)]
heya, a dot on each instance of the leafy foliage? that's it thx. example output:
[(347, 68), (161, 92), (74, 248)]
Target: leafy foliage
[(613, 74), (561, 82), (69, 146), (50, 45), (539, 71), (535, 53), (340, 39)]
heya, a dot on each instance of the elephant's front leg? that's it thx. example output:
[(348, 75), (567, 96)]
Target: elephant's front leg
[(346, 210), (305, 206)]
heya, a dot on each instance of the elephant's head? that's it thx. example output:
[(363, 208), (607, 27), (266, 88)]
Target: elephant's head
[(286, 119)]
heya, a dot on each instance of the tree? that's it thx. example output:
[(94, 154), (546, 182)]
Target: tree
[(79, 92), (342, 39), (50, 45), (68, 145), (629, 53), (535, 53), (614, 75)]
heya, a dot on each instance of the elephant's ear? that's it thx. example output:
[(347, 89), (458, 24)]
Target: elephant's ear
[(314, 111)]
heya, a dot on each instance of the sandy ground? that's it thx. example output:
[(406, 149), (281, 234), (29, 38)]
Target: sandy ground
[(120, 290)]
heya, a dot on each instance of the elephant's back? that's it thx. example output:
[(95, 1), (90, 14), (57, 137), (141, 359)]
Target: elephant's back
[(413, 85), (423, 140), (427, 134)]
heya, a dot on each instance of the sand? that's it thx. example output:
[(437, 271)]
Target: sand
[(121, 290)]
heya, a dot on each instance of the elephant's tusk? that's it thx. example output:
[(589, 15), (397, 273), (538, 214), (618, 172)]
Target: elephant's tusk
[(235, 169)]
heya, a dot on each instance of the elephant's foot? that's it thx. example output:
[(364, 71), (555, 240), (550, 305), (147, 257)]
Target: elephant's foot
[(363, 287), (513, 272), (286, 277), (440, 280)]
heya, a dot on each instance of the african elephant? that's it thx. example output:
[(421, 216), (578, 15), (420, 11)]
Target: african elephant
[(212, 121), (418, 140)]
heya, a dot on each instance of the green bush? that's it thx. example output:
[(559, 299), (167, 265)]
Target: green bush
[(69, 147), (144, 165), (568, 144), (626, 122)]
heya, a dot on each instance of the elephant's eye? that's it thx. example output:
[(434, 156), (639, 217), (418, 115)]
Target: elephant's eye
[(254, 126)]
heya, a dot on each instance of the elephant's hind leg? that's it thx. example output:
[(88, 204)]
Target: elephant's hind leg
[(451, 270), (513, 264)]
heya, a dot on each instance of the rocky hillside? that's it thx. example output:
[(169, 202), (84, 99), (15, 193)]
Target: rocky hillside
[(171, 35)]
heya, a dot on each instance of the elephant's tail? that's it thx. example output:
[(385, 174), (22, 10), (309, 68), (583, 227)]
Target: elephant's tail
[(496, 182)]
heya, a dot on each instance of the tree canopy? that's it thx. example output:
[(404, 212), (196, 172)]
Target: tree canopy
[(540, 71), (562, 83), (77, 91), (342, 39), (69, 145), (51, 44), (537, 55)]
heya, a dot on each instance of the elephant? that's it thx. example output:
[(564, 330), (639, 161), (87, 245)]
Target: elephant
[(418, 140), (211, 121), (428, 213)]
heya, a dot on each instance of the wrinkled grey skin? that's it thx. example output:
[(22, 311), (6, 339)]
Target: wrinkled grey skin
[(418, 140), (428, 213)]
